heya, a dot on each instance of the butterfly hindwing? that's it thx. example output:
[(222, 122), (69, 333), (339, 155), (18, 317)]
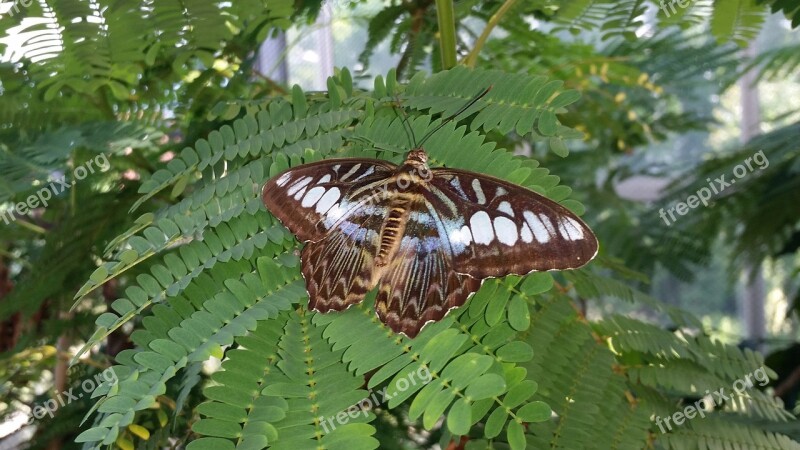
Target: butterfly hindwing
[(339, 269), (419, 285), (496, 228), (311, 199)]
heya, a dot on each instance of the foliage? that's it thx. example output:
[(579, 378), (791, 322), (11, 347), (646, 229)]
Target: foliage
[(191, 269), (485, 361)]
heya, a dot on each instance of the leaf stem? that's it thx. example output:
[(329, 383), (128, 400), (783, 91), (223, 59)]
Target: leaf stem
[(30, 226), (472, 57), (447, 32)]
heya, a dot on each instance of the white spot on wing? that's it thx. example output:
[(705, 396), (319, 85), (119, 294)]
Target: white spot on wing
[(283, 179), (506, 230), (457, 186), (312, 197), (461, 236), (350, 172), (327, 200), (481, 226), (547, 224), (301, 183), (570, 229), (538, 227), (506, 208), (500, 192), (324, 179), (476, 186), (369, 172), (525, 234), (300, 193), (334, 215)]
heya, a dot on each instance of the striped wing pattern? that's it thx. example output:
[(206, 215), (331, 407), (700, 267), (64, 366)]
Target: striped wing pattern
[(427, 244), (339, 269), (311, 199), (420, 285)]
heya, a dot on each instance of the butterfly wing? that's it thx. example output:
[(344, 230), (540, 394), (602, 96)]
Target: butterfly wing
[(310, 200), (339, 269), (419, 284), (335, 206), (496, 228)]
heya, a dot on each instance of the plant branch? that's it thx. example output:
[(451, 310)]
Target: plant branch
[(417, 18), (472, 57), (447, 32), (788, 383)]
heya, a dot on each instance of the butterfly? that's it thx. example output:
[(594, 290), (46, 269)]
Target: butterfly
[(427, 237)]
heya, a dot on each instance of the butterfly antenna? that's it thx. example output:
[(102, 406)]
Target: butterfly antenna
[(406, 125), (456, 114)]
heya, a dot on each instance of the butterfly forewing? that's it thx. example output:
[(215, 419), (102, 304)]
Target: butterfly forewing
[(496, 228), (311, 199)]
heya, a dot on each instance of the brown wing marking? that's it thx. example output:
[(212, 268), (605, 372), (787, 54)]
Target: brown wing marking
[(420, 285)]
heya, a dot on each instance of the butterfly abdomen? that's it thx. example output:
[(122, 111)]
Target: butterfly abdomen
[(393, 229)]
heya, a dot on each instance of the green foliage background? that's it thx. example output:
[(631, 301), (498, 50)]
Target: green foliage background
[(185, 266)]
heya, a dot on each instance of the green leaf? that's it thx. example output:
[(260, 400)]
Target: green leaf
[(536, 283), (520, 392), (218, 428), (119, 403), (495, 422), (534, 412), (516, 436), (459, 419), (92, 435), (496, 308), (547, 123), (207, 443), (565, 98), (516, 351), (99, 275), (128, 256), (488, 385), (519, 316), (436, 408), (558, 147)]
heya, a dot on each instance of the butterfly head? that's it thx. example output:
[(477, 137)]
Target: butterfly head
[(417, 157)]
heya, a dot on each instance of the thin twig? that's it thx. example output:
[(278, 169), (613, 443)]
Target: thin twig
[(790, 382), (472, 57)]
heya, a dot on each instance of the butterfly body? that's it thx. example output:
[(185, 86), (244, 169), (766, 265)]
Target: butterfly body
[(426, 237)]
